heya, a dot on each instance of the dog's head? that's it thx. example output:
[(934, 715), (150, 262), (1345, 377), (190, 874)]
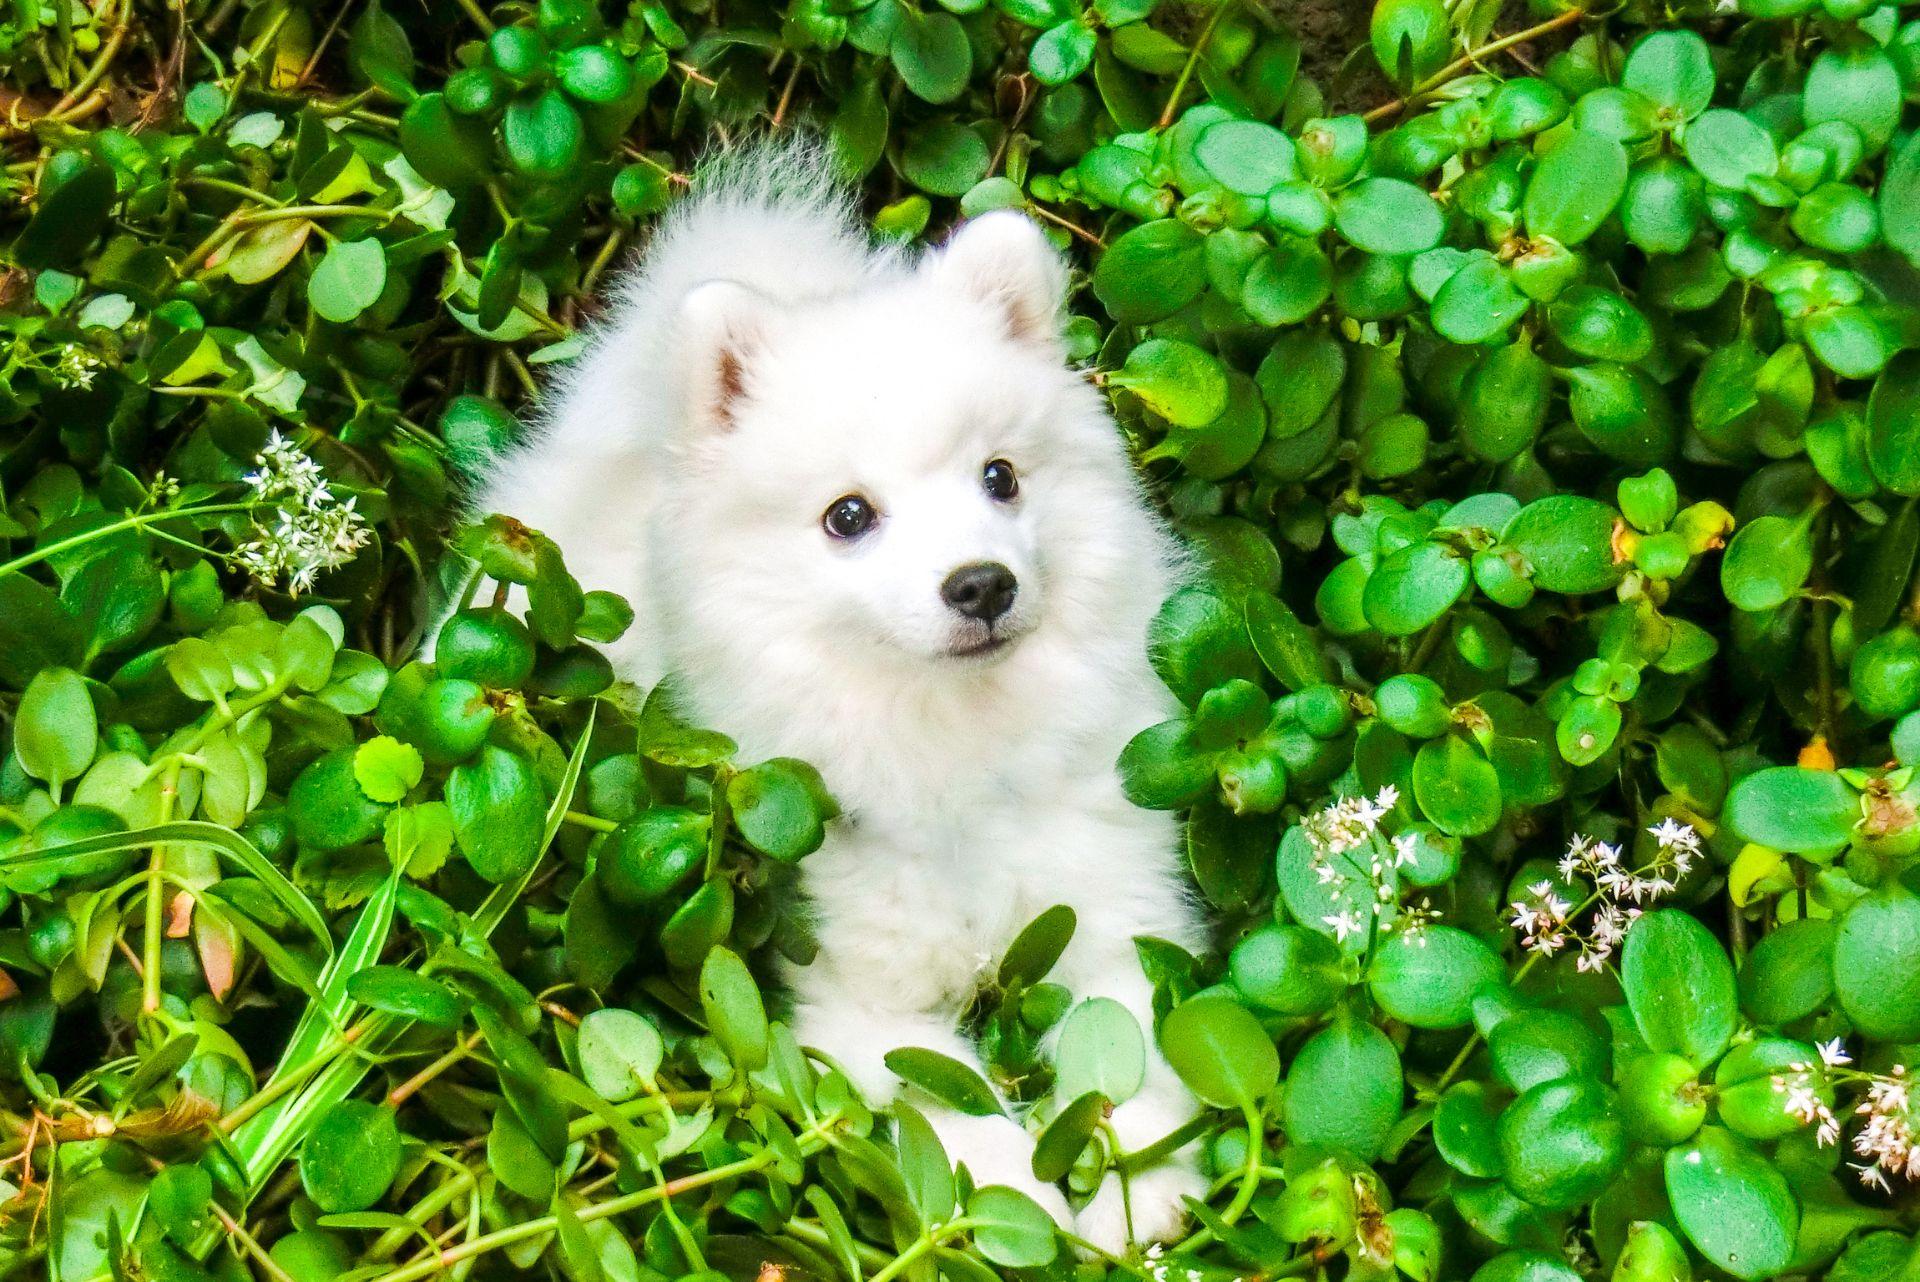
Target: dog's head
[(908, 469)]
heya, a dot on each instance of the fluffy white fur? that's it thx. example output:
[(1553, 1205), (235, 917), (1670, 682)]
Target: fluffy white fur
[(765, 359)]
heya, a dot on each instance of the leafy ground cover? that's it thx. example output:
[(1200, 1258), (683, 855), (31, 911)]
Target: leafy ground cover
[(1550, 417)]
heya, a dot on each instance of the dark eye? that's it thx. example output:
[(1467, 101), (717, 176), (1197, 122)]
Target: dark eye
[(999, 480), (848, 517)]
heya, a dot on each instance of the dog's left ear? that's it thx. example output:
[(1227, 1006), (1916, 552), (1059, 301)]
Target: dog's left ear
[(1001, 259)]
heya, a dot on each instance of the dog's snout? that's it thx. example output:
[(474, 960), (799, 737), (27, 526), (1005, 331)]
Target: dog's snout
[(983, 590)]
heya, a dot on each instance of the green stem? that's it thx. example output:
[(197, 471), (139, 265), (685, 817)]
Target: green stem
[(128, 523), (811, 1141), (928, 1241), (1193, 59)]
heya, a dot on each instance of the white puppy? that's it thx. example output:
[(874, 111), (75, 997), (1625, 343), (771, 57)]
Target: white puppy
[(869, 518)]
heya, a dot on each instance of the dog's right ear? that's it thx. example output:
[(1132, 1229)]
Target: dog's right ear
[(720, 327)]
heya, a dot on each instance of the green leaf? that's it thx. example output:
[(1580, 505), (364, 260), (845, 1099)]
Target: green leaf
[(407, 993), (924, 1166), (1456, 786), (1388, 216), (1062, 53), (1899, 199), (1789, 974), (1245, 156), (1011, 1229), (542, 134), (931, 53), (386, 769), (1220, 1051), (1037, 947), (1733, 1204), (350, 1156), (55, 730), (1568, 542), (1100, 1050), (1575, 186), (1729, 149), (1062, 1141), (1679, 986), (379, 52), (944, 159), (498, 809), (619, 1052), (1673, 70), (1429, 976), (348, 280), (1178, 381), (945, 1078), (781, 807), (734, 1010), (1562, 1142), (1792, 808), (1768, 560), (1478, 303), (1344, 1089), (1150, 272), (1414, 586), (1876, 964)]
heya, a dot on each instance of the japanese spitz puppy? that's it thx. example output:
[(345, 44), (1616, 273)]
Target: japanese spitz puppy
[(869, 517)]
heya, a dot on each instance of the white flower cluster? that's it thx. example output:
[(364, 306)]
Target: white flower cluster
[(1346, 840), (76, 366), (1546, 921), (1887, 1140), (311, 530)]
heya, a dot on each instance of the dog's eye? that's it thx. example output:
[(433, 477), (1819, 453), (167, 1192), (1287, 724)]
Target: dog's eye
[(849, 517), (999, 480)]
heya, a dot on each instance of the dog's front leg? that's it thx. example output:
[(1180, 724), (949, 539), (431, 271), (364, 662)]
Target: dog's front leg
[(995, 1149), (1150, 1205)]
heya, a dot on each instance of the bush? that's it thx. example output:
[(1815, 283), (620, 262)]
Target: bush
[(1542, 400)]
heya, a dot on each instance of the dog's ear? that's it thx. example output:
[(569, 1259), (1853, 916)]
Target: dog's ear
[(720, 327), (1002, 259)]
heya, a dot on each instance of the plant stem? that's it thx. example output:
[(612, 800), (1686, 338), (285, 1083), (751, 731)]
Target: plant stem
[(128, 523), (1472, 58), (1193, 59)]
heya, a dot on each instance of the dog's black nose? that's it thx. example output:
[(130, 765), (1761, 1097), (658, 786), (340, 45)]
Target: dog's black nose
[(983, 590)]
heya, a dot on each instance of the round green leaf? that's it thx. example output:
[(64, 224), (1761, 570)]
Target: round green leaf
[(1876, 964), (931, 53), (1101, 1050), (1568, 542), (1793, 808), (1220, 1051), (1152, 271), (499, 812), (1176, 380), (1679, 986), (1344, 1088), (1456, 786), (407, 993), (1562, 1142), (781, 807), (619, 1052), (1011, 1229), (55, 730), (1388, 216), (350, 1156), (1733, 1204), (1246, 156), (1673, 70), (1575, 186), (1428, 977), (1729, 149)]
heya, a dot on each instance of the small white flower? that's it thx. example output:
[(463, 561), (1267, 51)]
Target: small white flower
[(1344, 924), (1833, 1054)]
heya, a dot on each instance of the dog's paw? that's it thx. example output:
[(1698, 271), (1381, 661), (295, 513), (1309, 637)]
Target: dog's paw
[(1157, 1198), (998, 1150)]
